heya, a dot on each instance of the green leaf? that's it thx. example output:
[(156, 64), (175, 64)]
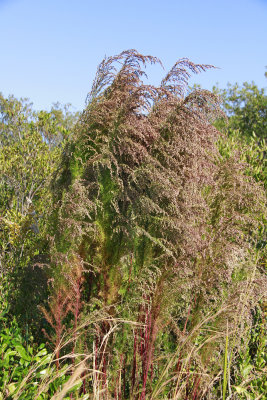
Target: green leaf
[(43, 352), (9, 353), (246, 370), (22, 352), (11, 388), (241, 390)]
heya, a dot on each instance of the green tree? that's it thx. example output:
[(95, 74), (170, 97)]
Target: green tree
[(56, 125), (30, 147), (246, 108)]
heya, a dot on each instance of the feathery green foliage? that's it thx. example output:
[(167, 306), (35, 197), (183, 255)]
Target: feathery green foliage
[(161, 219)]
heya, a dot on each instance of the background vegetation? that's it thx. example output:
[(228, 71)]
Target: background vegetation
[(132, 241)]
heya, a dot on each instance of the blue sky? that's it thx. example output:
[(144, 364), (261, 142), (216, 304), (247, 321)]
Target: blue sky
[(50, 49)]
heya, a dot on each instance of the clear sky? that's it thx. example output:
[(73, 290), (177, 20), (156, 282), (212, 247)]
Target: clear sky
[(50, 49)]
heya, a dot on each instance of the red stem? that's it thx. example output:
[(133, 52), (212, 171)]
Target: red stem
[(187, 384), (151, 336), (134, 360), (196, 385)]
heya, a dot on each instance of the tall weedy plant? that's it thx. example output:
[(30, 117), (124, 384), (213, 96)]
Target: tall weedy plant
[(161, 220)]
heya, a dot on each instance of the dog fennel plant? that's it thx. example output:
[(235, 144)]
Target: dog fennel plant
[(163, 226)]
